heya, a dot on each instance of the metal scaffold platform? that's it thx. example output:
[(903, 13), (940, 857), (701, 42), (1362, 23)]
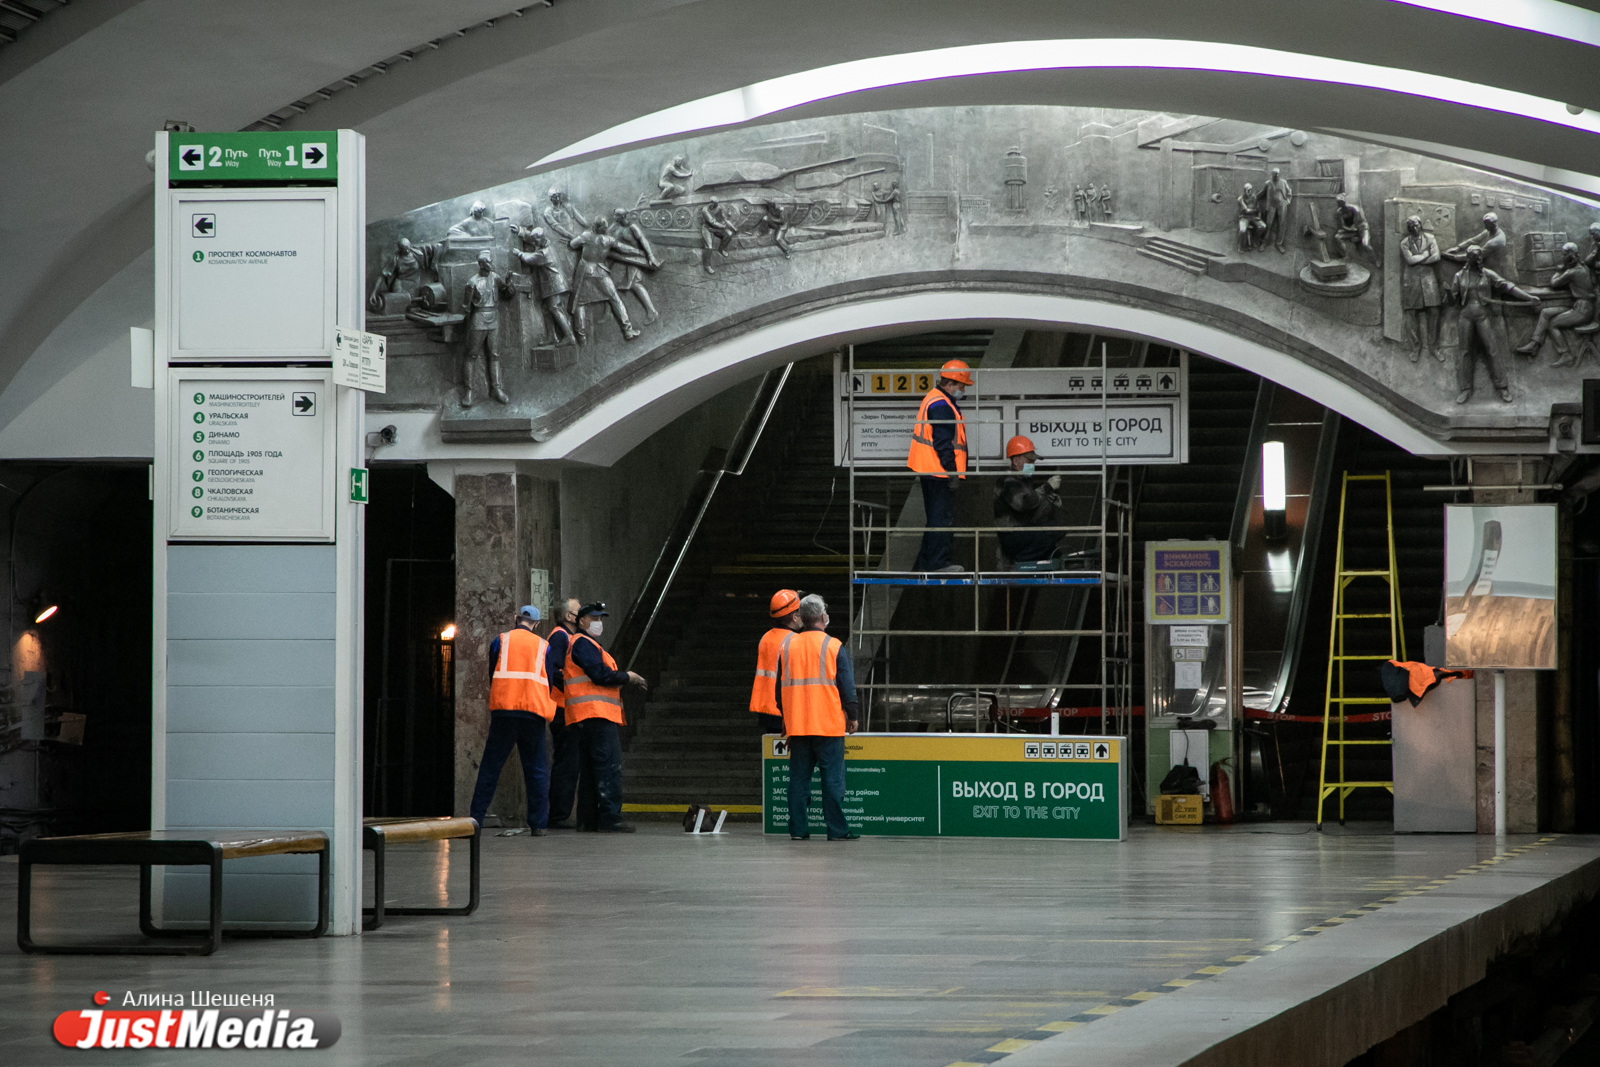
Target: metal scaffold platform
[(1001, 645)]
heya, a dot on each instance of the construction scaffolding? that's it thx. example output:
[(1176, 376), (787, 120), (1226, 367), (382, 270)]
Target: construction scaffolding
[(1083, 593)]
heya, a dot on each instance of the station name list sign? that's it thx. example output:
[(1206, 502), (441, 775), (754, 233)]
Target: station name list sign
[(249, 451)]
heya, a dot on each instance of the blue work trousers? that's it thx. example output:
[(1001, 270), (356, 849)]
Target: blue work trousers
[(817, 753), (939, 507), (526, 731), (563, 767), (600, 781)]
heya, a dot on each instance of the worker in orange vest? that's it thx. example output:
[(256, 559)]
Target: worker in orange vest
[(519, 706), (784, 611), (939, 454), (593, 685), (563, 741), (817, 691)]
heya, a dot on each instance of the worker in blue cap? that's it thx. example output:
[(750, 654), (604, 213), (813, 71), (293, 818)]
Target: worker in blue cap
[(520, 704)]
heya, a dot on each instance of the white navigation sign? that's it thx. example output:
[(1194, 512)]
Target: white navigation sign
[(251, 455), (251, 277), (360, 360)]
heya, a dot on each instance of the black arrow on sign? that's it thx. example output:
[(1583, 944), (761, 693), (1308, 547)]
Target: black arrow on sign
[(1166, 381), (204, 225), (302, 403), (192, 157), (314, 154)]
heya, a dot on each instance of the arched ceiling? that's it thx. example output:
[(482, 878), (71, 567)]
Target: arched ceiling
[(82, 90)]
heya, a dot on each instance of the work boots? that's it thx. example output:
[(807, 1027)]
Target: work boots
[(494, 382)]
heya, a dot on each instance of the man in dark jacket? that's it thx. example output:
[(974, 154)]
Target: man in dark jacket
[(1021, 501)]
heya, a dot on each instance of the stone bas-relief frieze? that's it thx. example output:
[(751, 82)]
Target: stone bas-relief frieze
[(1463, 301)]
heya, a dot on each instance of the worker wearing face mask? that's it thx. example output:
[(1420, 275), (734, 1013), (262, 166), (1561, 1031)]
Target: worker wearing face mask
[(1022, 500), (593, 685), (939, 454)]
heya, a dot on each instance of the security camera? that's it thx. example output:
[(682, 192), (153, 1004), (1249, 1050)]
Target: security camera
[(380, 438)]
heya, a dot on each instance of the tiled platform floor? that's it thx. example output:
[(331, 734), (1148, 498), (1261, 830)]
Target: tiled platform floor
[(659, 948)]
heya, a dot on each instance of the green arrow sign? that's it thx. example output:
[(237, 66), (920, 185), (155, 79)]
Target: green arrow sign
[(298, 156), (358, 485)]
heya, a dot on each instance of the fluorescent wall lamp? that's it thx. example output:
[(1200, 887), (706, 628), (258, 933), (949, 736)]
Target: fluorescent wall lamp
[(46, 613), (448, 633), (1274, 492)]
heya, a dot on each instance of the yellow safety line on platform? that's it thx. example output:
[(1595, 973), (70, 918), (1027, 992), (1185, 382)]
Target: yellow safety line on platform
[(1133, 1000)]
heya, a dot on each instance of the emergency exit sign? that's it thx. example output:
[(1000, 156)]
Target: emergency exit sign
[(270, 157)]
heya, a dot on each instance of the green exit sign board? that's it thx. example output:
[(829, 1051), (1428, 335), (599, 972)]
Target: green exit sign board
[(271, 157), (965, 785)]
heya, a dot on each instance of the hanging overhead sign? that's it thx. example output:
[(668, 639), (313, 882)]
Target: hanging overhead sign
[(257, 158), (1074, 416), (251, 455)]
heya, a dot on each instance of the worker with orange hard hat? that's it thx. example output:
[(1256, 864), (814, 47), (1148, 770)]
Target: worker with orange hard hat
[(939, 454), (784, 610), (1021, 501)]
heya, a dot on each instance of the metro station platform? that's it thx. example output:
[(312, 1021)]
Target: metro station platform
[(1269, 944)]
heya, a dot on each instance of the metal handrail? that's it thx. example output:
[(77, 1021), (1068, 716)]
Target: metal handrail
[(733, 462)]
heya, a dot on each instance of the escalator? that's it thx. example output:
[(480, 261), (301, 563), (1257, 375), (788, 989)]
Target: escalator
[(781, 523)]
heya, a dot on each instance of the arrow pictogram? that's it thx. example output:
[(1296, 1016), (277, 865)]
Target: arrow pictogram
[(192, 157), (314, 155), (304, 403), (204, 224), (1166, 381)]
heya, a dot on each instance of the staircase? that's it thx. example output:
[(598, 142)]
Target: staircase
[(697, 740), (1177, 254)]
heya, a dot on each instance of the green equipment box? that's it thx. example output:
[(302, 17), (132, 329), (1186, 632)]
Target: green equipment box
[(966, 785)]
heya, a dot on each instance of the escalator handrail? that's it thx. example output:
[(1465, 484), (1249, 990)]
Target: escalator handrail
[(676, 548)]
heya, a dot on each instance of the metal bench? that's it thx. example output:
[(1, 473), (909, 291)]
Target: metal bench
[(376, 834), (171, 848)]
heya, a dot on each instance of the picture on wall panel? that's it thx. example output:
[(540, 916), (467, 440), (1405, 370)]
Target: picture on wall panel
[(1500, 586)]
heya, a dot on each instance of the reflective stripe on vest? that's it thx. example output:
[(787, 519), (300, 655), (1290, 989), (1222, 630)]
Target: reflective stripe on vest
[(811, 705), (585, 699), (519, 682), (923, 457), (763, 693)]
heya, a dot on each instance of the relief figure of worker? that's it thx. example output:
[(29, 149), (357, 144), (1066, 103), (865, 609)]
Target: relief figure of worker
[(674, 180), (476, 224), (1252, 231), (549, 283), (1575, 277), (407, 271), (715, 232), (628, 275), (562, 218), (1275, 198), (595, 250), (890, 204), (480, 297), (1349, 227), (1480, 292), (1420, 296)]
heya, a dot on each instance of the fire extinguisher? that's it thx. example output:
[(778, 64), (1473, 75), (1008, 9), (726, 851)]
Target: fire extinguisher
[(1221, 794)]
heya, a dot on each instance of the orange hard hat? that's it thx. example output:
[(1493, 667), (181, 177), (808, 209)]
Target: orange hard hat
[(784, 601), (1018, 445), (957, 371)]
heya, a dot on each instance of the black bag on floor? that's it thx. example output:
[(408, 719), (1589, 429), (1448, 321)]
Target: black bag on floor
[(1182, 780)]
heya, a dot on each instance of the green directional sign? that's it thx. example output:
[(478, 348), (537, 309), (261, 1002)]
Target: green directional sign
[(271, 157), (965, 785), (358, 485)]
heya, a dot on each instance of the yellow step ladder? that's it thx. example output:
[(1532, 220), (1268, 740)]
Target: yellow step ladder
[(1335, 701)]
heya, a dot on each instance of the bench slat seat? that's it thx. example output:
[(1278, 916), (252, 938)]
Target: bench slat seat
[(188, 847), (378, 833)]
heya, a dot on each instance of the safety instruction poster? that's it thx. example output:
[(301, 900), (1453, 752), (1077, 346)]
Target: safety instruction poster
[(965, 785), (1186, 582)]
